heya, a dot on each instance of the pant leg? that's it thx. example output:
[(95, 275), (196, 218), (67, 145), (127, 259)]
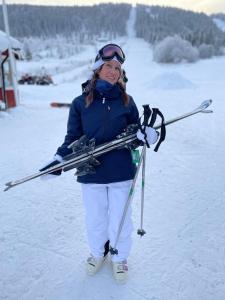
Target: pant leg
[(118, 195), (95, 198)]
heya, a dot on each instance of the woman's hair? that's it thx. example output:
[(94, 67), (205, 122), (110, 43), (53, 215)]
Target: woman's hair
[(91, 86)]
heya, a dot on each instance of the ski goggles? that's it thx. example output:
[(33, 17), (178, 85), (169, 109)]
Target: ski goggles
[(110, 51)]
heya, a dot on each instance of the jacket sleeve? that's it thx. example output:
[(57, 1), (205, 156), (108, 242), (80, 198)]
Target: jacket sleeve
[(74, 129), (133, 117)]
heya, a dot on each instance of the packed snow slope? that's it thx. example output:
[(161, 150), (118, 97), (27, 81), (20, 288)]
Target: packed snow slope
[(43, 244)]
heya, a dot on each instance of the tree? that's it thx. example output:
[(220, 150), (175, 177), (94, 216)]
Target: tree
[(174, 50)]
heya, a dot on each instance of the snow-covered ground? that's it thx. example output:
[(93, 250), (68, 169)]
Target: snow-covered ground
[(43, 244)]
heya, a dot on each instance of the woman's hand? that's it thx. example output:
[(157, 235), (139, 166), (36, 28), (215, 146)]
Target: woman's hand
[(57, 159)]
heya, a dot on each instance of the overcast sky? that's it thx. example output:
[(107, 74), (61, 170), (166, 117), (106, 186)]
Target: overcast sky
[(207, 6)]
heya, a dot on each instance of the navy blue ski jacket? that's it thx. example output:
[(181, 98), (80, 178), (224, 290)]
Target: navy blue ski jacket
[(103, 119)]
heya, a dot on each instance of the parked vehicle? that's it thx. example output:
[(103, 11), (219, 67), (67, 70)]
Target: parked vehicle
[(36, 79)]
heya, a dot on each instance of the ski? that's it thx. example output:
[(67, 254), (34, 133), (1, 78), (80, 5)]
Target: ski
[(60, 104), (70, 163), (85, 151)]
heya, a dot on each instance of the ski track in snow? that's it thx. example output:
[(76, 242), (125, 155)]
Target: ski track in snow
[(42, 234)]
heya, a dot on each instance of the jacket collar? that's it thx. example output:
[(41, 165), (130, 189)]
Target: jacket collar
[(106, 89)]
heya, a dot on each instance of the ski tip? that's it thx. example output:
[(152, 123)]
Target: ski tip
[(207, 111), (60, 104), (54, 104), (206, 104), (210, 101), (8, 186)]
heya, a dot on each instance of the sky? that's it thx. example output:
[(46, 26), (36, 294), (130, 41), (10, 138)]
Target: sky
[(207, 6)]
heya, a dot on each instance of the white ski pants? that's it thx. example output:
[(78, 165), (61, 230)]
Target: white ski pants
[(104, 206)]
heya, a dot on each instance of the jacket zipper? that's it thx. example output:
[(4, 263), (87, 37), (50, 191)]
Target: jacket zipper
[(103, 102), (105, 115)]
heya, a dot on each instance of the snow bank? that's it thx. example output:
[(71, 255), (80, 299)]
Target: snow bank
[(171, 80)]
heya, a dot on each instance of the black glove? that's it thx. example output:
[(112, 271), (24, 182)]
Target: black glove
[(55, 161)]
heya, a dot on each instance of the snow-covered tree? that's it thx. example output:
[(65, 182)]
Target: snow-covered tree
[(84, 21), (206, 51), (174, 50), (154, 23), (27, 51)]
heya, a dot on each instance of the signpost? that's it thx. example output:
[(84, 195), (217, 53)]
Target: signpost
[(10, 52)]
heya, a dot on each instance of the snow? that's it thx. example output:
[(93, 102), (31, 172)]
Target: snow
[(43, 244), (131, 33), (171, 80), (4, 43), (220, 23)]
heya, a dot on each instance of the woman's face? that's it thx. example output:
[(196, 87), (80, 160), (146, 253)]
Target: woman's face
[(110, 71)]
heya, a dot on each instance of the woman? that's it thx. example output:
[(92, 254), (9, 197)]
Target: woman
[(103, 111)]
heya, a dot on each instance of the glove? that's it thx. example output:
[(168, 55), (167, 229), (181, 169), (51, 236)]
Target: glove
[(57, 159), (151, 135)]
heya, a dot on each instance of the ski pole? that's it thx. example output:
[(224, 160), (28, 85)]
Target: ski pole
[(113, 250), (147, 114), (141, 231), (201, 108)]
